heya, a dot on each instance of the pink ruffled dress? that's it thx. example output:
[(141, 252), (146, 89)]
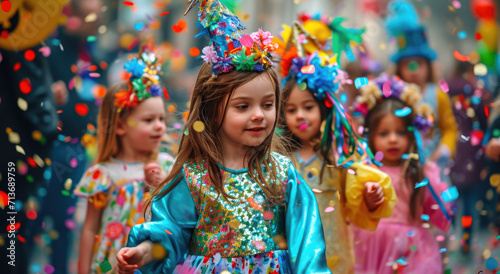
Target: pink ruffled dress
[(400, 243)]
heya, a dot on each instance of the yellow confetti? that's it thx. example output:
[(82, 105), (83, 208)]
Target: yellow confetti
[(20, 149), (486, 253), (8, 130), (480, 70), (159, 252), (37, 135), (234, 223), (314, 171), (331, 203), (332, 261), (68, 183), (22, 104), (131, 122), (48, 161), (38, 160), (91, 17), (199, 126), (54, 234), (14, 138), (495, 180)]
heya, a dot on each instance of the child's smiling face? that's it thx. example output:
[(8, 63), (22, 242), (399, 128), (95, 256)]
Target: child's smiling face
[(303, 114)]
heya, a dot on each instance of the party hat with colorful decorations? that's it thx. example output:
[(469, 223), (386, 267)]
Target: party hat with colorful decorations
[(319, 73), (230, 49), (144, 81), (404, 25)]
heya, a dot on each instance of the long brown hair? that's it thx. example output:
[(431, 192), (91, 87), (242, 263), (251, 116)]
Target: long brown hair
[(412, 170), (327, 156), (108, 143), (209, 105)]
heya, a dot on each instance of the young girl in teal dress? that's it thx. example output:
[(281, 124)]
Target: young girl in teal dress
[(230, 203)]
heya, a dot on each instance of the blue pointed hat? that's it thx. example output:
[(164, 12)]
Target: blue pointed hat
[(411, 37)]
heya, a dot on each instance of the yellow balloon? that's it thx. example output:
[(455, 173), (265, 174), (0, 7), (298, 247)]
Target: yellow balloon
[(29, 22), (489, 33)]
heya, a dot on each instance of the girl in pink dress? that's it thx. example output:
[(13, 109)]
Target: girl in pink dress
[(403, 242)]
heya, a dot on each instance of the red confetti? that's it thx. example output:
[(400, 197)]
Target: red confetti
[(4, 199), (133, 44), (460, 57), (6, 5), (14, 227), (165, 93), (486, 111), (21, 238), (96, 174), (114, 230), (4, 34), (128, 3), (466, 221), (478, 36), (31, 162), (17, 66), (29, 55), (194, 52), (25, 86), (180, 26), (164, 13), (168, 232), (81, 109), (31, 214)]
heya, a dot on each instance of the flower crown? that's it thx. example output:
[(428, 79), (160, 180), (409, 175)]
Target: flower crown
[(385, 87), (144, 81), (230, 49)]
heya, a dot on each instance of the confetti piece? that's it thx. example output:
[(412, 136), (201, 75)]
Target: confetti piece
[(386, 89), (462, 34), (350, 171), (403, 112), (128, 3), (22, 104), (424, 217), (442, 250), (460, 57), (466, 221), (31, 214), (379, 156), (17, 66), (25, 86), (309, 69), (105, 265), (315, 190), (247, 41), (439, 238), (6, 5), (168, 232), (91, 38), (450, 194), (303, 86), (413, 66), (29, 55), (198, 126), (423, 183), (491, 263), (94, 75), (159, 252), (343, 98), (35, 268), (1, 57), (16, 226), (81, 109), (45, 51), (329, 209), (411, 233), (194, 51), (68, 183), (495, 180), (444, 85), (164, 13), (456, 4), (139, 26), (180, 26), (480, 70), (91, 17), (360, 81)]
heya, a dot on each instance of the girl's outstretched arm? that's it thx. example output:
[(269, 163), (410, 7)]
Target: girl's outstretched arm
[(131, 259), (305, 238), (173, 218), (90, 229)]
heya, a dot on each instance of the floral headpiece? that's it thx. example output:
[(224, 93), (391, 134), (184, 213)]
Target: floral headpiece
[(321, 75), (385, 87), (230, 49), (143, 82)]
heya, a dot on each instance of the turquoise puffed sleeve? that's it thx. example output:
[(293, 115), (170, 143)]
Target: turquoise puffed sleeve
[(305, 239), (172, 222)]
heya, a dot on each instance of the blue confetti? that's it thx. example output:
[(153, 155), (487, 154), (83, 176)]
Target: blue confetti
[(491, 263), (424, 217), (35, 268), (411, 233), (47, 174), (475, 100), (343, 98), (462, 34), (42, 192), (423, 183), (360, 81), (450, 194), (139, 26), (403, 112), (402, 261), (442, 250)]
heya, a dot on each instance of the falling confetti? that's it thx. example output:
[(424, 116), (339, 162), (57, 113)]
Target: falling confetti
[(159, 252), (450, 194), (309, 69), (22, 104), (403, 112), (360, 81), (49, 269), (6, 5), (198, 126), (424, 217), (128, 3), (91, 17), (444, 85), (29, 55), (164, 13), (423, 183), (105, 265), (25, 86), (194, 51), (180, 26), (466, 221), (460, 57)]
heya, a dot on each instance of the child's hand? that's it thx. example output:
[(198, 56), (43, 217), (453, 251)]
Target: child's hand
[(129, 260), (153, 174), (493, 149), (374, 195)]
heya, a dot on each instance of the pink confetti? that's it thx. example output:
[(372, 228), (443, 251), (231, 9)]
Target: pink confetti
[(70, 210), (301, 38), (268, 215), (71, 83), (303, 126), (456, 4), (70, 224), (48, 269), (329, 209), (73, 162), (45, 51), (379, 156), (387, 89), (120, 200), (246, 41), (351, 171), (361, 130), (1, 58), (444, 85), (94, 75), (439, 238)]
